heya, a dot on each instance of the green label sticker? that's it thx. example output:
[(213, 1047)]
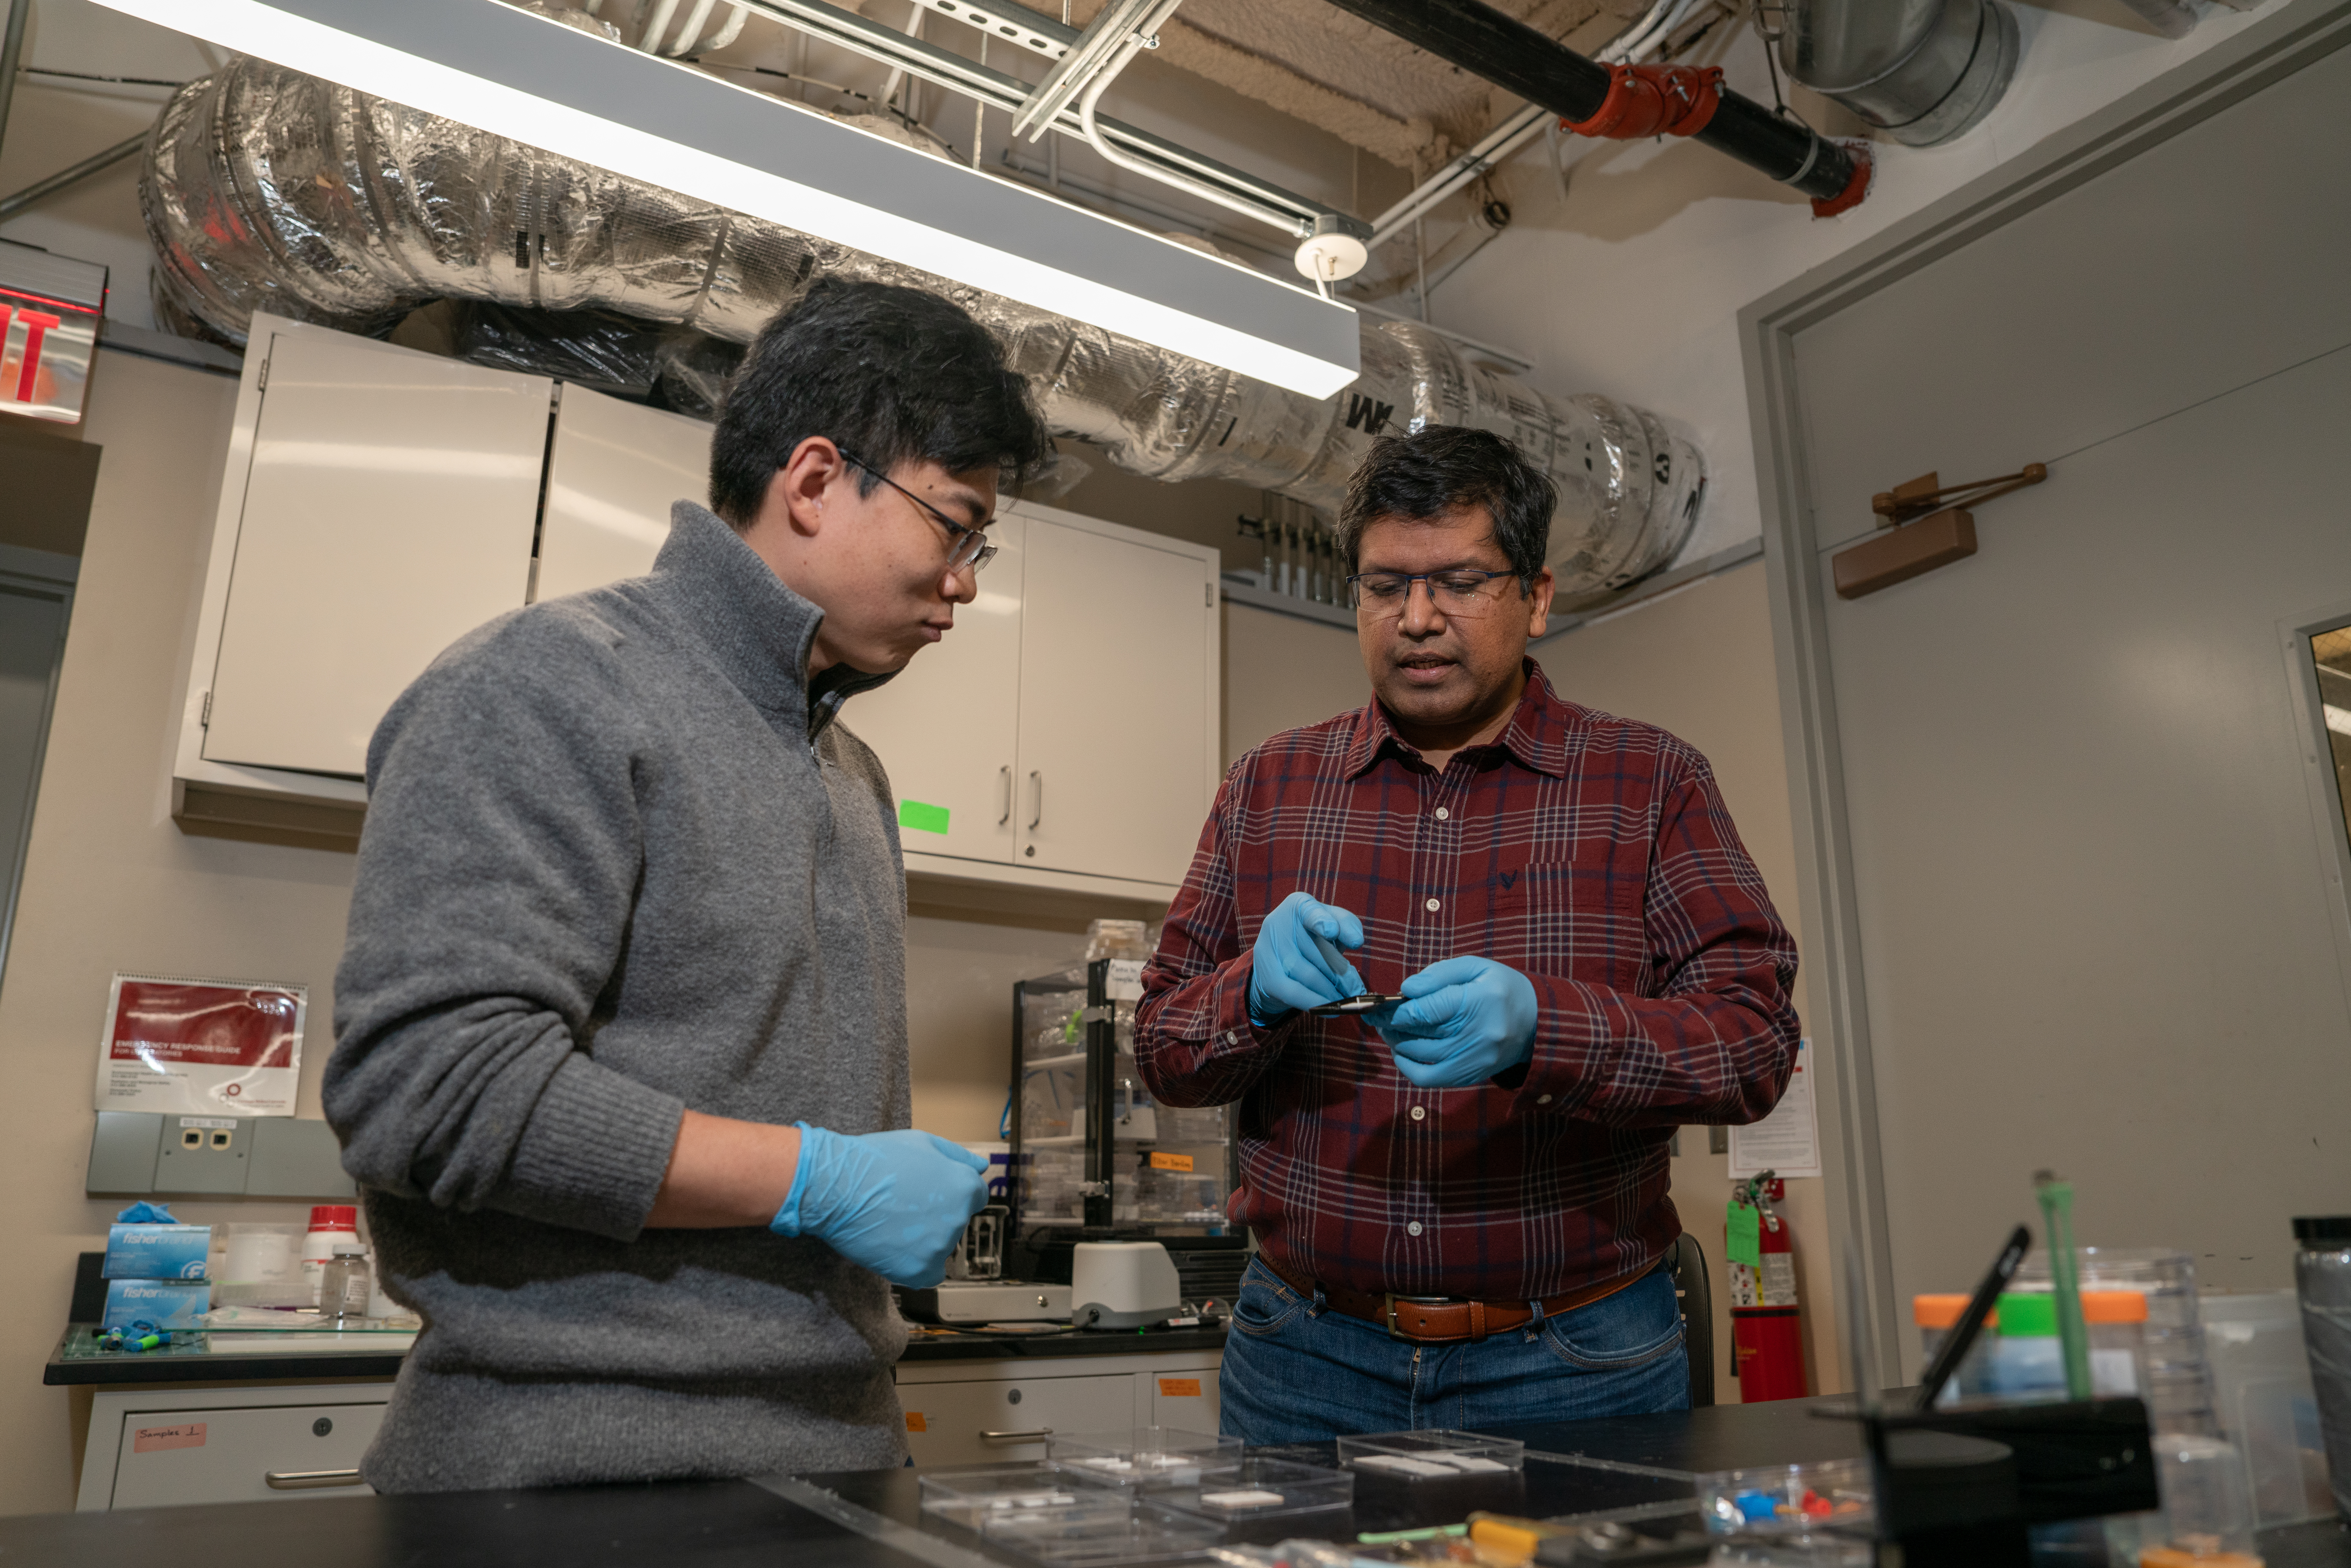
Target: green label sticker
[(921, 818), (1743, 1229)]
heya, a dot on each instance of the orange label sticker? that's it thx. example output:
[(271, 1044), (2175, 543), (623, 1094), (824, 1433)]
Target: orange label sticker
[(914, 1422), (150, 1440), (1160, 1161), (1179, 1388)]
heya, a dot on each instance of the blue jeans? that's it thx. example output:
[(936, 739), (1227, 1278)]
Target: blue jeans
[(1296, 1372)]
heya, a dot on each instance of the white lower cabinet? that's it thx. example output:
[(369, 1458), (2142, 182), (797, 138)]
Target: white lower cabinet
[(978, 1412), (161, 1448)]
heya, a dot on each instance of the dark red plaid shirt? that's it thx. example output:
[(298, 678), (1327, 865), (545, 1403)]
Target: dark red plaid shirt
[(1591, 853)]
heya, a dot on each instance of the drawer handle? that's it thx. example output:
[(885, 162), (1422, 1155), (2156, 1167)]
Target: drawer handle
[(310, 1481), (1029, 1437)]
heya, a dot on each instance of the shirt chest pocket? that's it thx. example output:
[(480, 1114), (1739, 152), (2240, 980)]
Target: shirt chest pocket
[(1576, 916)]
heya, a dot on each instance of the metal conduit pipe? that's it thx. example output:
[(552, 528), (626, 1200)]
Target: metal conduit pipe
[(1505, 51), (267, 189)]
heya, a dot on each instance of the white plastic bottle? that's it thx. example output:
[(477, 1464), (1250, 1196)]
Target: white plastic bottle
[(329, 1223)]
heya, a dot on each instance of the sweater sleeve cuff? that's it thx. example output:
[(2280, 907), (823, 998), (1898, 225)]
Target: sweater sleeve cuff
[(594, 1152)]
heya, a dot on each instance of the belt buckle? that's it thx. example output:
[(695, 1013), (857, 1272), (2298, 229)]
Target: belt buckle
[(1388, 1300)]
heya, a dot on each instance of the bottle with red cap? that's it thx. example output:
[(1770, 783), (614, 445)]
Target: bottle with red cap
[(329, 1223)]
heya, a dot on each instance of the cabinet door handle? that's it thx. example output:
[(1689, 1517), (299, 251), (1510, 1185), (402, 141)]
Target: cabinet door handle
[(1007, 771), (1037, 811), (310, 1481), (1030, 1437)]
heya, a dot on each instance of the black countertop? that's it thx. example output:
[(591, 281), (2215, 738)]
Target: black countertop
[(866, 1518), (72, 1361)]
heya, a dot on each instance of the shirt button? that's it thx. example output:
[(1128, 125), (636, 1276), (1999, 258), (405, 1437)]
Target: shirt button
[(1431, 906), (1230, 1036), (1542, 1099), (1419, 1113), (1442, 814), (1413, 1229)]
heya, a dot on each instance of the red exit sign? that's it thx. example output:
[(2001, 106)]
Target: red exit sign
[(49, 310)]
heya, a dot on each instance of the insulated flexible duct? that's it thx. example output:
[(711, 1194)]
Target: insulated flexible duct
[(268, 190)]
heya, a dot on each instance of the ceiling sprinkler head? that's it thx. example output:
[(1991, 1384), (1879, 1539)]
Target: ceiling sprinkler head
[(1333, 251)]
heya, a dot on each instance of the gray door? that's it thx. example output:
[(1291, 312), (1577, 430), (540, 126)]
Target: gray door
[(2088, 917)]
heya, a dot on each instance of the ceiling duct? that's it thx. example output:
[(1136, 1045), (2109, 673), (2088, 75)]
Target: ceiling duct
[(268, 190), (1922, 71)]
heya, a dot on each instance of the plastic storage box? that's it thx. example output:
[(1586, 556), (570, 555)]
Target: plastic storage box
[(1257, 1489), (1787, 1500), (972, 1498), (1433, 1455), (1099, 1541), (1145, 1457)]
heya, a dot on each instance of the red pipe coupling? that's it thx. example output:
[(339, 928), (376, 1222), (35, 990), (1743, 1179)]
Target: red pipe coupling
[(1651, 101)]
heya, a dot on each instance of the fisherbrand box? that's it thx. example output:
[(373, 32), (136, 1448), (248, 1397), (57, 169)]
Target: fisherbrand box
[(157, 1251), (166, 1303)]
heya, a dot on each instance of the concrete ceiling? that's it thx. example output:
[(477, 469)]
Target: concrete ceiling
[(1316, 62)]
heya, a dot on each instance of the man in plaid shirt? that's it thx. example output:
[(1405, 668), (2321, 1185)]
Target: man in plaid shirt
[(1460, 1198)]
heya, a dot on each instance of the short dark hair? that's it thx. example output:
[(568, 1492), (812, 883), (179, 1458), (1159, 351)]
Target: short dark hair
[(1441, 468), (893, 373)]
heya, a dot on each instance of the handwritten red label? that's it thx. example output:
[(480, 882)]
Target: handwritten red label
[(151, 1439)]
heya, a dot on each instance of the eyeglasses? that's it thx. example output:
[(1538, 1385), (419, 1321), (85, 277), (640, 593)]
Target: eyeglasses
[(967, 546), (1383, 595)]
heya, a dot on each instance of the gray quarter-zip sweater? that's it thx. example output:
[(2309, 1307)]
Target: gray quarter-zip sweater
[(618, 864)]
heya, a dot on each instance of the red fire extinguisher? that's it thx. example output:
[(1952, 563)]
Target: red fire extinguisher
[(1767, 1339)]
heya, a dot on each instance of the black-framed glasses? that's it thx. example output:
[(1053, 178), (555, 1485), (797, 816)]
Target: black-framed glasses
[(1384, 594), (967, 546)]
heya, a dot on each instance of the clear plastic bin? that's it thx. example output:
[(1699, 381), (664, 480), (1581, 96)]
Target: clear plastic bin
[(1788, 1499), (1101, 1541), (2266, 1404), (1433, 1455), (2179, 1386), (1145, 1457), (1257, 1489), (971, 1498)]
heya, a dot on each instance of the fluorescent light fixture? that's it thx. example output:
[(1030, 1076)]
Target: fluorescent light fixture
[(515, 75)]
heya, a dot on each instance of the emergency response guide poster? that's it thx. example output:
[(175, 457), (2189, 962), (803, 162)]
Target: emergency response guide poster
[(201, 1047)]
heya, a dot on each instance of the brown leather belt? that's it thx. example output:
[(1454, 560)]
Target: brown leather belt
[(1448, 1320)]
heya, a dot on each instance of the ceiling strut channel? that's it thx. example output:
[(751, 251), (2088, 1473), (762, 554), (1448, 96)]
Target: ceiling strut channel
[(1497, 144), (922, 58), (1005, 22), (1102, 51)]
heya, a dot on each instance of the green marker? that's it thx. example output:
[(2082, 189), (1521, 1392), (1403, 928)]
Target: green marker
[(1390, 1537)]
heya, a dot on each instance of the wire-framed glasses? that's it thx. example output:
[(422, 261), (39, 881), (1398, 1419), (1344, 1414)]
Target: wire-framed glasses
[(1383, 595), (967, 546)]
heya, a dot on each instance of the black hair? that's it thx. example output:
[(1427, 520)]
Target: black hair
[(1441, 468), (893, 374)]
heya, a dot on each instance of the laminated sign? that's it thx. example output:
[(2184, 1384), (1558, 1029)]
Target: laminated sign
[(201, 1046)]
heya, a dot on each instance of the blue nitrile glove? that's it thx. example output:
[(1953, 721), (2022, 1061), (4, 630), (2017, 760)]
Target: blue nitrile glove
[(895, 1202), (1466, 1019), (1290, 971)]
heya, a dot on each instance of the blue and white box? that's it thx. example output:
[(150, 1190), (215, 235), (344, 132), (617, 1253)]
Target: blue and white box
[(166, 1303), (157, 1251)]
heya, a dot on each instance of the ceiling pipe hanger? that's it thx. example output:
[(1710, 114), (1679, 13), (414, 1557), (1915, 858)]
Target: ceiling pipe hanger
[(1625, 101)]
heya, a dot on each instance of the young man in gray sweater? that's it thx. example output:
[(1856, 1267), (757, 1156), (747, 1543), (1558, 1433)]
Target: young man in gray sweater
[(621, 1029)]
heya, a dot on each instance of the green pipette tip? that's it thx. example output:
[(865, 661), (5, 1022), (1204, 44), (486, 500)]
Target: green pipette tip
[(2065, 1277)]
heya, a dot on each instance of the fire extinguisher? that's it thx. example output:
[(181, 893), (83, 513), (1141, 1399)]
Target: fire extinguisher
[(1767, 1340)]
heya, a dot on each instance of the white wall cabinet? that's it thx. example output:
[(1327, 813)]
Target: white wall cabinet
[(377, 504)]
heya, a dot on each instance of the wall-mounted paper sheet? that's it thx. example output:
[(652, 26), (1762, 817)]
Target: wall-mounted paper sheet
[(1787, 1142), (206, 1047)]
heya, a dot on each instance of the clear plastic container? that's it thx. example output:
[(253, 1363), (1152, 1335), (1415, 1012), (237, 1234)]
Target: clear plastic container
[(1145, 1457), (2264, 1401), (1257, 1489), (1433, 1455), (2322, 1280), (1099, 1542), (1787, 1500), (2207, 1519), (969, 1498), (2176, 1383), (2025, 1360)]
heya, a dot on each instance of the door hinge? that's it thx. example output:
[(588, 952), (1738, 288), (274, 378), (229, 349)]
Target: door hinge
[(261, 380), (204, 722)]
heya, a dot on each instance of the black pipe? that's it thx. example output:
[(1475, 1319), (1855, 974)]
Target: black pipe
[(1546, 73)]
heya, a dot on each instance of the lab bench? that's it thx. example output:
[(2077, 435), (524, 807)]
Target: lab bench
[(869, 1519)]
